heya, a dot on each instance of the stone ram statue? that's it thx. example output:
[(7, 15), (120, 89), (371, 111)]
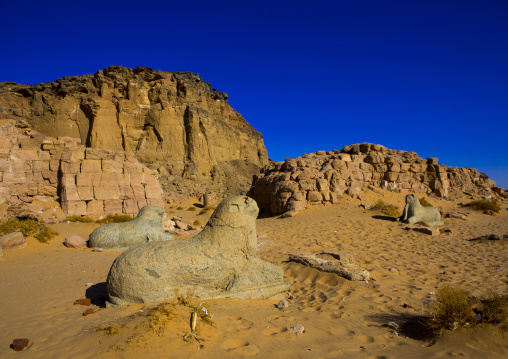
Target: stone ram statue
[(414, 212)]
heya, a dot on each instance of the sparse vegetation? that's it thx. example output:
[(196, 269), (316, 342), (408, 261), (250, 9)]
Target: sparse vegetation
[(84, 219), (115, 218), (455, 306), (482, 205), (28, 227), (207, 208), (110, 329), (179, 208), (192, 208), (196, 223), (425, 203), (387, 208)]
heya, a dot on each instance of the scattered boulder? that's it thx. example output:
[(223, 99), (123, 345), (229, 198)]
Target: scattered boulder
[(14, 240), (414, 212), (146, 227), (83, 301), (220, 261), (88, 312), (283, 304), (75, 242), (342, 264), (289, 214), (455, 215), (298, 328), (19, 344)]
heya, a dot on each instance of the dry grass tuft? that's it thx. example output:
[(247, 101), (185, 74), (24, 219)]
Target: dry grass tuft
[(207, 208), (494, 310), (179, 208), (196, 223), (84, 219), (387, 208), (453, 305), (28, 227), (115, 218), (192, 209), (110, 329), (484, 206)]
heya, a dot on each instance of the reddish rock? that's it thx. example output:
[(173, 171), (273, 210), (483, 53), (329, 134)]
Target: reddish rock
[(19, 344), (83, 301), (88, 312), (75, 242), (14, 240)]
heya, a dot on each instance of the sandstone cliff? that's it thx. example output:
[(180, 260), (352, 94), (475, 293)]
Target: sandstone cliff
[(170, 121), (319, 178)]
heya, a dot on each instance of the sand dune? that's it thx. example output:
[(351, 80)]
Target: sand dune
[(341, 318)]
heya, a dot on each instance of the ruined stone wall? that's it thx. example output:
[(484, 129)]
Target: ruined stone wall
[(85, 181), (319, 178)]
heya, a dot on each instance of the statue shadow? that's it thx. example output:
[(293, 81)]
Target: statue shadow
[(98, 294), (384, 218), (410, 325), (198, 205)]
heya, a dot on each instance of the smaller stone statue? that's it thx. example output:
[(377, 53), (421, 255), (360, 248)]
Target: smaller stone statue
[(414, 212)]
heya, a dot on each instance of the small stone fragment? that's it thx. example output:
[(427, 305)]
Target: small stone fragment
[(19, 344), (428, 230), (393, 325), (88, 312), (283, 304), (97, 249), (14, 240), (393, 270), (83, 301), (298, 328), (452, 326), (75, 242)]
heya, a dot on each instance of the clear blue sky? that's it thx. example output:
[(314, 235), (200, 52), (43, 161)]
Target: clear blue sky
[(429, 76)]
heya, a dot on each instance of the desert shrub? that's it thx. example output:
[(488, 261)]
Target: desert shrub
[(494, 310), (179, 208), (159, 316), (115, 218), (452, 305), (196, 223), (207, 208), (387, 208), (484, 205), (84, 219), (28, 227), (192, 208), (425, 203), (110, 329)]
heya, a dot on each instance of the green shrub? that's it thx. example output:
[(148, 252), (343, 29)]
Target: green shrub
[(115, 218), (28, 227), (387, 208), (84, 219), (425, 203), (452, 305), (484, 205)]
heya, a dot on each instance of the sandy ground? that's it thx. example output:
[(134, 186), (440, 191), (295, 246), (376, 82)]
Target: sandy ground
[(39, 284)]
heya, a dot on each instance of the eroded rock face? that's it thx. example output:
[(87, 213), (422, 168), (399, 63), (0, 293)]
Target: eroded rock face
[(319, 178), (146, 227), (414, 212), (172, 120), (218, 262)]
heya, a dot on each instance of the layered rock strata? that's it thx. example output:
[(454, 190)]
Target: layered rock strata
[(85, 181), (320, 177), (170, 121)]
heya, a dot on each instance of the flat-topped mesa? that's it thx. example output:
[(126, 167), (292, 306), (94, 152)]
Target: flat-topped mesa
[(320, 177), (170, 121)]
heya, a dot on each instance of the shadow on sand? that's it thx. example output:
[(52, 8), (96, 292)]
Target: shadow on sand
[(98, 294), (410, 325), (384, 218)]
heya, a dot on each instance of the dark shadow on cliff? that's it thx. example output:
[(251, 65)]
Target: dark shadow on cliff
[(409, 325), (98, 294), (384, 218)]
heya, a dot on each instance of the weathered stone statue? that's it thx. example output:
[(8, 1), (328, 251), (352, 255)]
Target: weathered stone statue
[(146, 227), (218, 262), (415, 212)]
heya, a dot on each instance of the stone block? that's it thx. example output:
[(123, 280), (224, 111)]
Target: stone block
[(153, 192), (112, 166), (85, 193), (70, 166), (4, 154), (74, 208), (108, 179), (137, 178), (314, 196), (26, 155), (432, 161), (44, 155), (130, 206), (139, 192), (70, 193), (95, 208), (13, 177), (126, 192), (54, 165), (106, 192), (27, 189), (113, 206), (91, 166), (68, 180), (50, 176), (5, 143), (130, 167), (84, 179), (21, 166), (68, 154), (47, 190), (5, 165), (394, 167), (404, 167), (156, 201), (40, 166), (142, 203), (391, 176), (151, 180)]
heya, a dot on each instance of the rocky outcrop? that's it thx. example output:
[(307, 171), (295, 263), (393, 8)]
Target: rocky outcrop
[(320, 177), (85, 181), (170, 121)]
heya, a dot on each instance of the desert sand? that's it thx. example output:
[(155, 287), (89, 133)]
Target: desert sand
[(40, 283)]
